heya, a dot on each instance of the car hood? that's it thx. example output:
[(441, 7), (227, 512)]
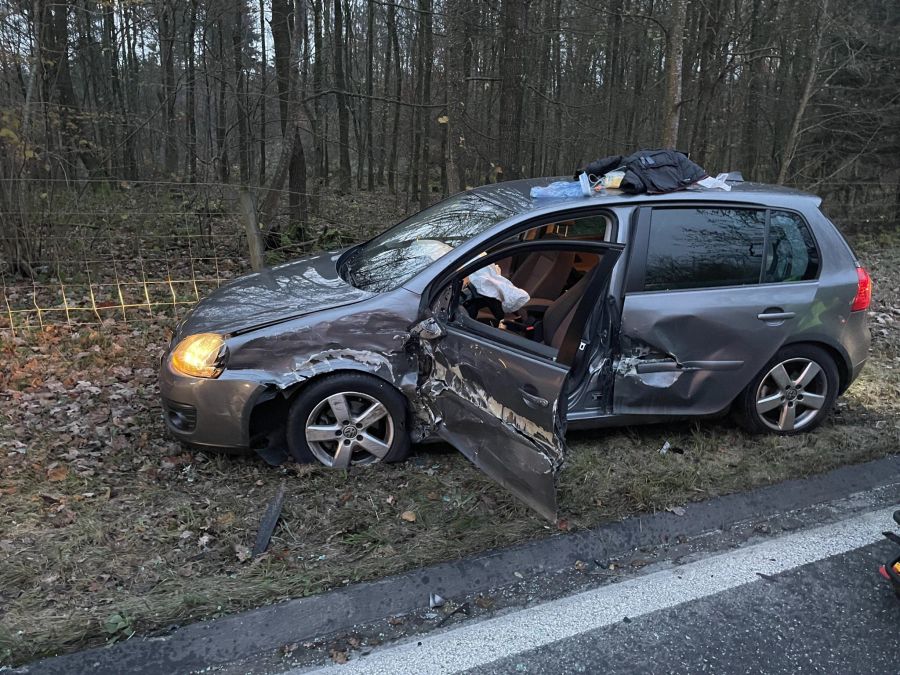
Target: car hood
[(275, 294)]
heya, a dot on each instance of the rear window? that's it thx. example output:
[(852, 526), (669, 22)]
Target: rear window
[(791, 253), (704, 248)]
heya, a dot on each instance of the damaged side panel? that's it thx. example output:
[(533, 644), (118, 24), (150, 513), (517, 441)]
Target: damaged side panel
[(499, 408), (293, 356), (691, 352)]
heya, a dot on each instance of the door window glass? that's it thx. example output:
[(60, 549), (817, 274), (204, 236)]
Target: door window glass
[(704, 248), (791, 254), (596, 227)]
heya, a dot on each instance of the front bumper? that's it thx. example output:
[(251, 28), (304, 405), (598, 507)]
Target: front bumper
[(208, 412)]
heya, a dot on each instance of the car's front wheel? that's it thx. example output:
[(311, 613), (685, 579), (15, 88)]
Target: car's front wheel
[(792, 394), (348, 419)]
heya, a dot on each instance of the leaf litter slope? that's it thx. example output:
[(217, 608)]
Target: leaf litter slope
[(108, 527)]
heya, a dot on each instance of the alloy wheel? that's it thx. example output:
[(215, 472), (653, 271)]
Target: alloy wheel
[(349, 428), (792, 394)]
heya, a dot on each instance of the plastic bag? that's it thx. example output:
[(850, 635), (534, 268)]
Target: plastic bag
[(561, 189), (489, 282), (715, 183)]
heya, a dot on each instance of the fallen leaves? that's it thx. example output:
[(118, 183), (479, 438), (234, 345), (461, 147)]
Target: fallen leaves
[(225, 520), (57, 473)]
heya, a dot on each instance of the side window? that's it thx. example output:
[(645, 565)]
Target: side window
[(791, 254), (597, 227), (704, 248), (593, 228)]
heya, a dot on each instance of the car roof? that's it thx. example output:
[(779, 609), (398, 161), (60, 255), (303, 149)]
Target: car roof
[(515, 195)]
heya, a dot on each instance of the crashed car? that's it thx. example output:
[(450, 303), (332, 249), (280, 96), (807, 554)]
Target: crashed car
[(609, 310)]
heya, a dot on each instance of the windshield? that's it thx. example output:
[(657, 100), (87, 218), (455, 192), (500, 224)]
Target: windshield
[(396, 256)]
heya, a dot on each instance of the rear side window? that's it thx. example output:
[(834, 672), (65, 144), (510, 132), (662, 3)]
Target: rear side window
[(704, 248), (791, 254)]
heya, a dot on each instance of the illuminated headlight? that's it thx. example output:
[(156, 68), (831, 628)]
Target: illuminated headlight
[(201, 355)]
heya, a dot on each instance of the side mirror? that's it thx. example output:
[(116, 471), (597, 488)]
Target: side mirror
[(427, 329)]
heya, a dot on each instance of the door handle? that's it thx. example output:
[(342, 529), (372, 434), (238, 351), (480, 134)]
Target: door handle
[(775, 314), (533, 400)]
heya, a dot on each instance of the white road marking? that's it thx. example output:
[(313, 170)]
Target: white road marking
[(482, 642)]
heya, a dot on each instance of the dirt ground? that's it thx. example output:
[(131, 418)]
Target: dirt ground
[(108, 527)]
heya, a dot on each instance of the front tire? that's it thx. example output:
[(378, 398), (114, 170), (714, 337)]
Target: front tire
[(792, 394), (348, 419)]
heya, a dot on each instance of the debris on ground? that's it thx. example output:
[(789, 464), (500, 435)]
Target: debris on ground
[(484, 602), (465, 609), (269, 521), (435, 601)]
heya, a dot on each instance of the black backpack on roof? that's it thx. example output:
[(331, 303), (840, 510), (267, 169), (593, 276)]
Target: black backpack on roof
[(651, 171)]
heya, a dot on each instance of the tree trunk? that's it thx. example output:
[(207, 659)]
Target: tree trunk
[(512, 79), (340, 83), (221, 109), (166, 20), (321, 168), (263, 94), (237, 44), (426, 60), (370, 91), (287, 76), (398, 90), (251, 228), (191, 102), (674, 58), (808, 90)]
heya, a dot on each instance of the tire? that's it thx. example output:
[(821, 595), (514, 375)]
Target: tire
[(348, 419), (792, 394)]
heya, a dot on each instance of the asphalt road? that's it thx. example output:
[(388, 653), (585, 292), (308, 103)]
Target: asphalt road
[(833, 616), (809, 601)]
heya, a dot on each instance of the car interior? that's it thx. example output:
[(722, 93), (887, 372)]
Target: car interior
[(553, 280)]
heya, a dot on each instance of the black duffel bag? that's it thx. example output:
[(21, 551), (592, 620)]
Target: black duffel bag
[(651, 171)]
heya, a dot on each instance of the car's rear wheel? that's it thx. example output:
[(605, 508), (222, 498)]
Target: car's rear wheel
[(348, 419), (792, 394)]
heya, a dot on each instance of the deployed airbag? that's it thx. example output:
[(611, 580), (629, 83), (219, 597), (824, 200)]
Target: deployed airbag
[(489, 282)]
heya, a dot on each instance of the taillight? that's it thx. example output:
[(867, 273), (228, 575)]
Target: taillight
[(863, 290)]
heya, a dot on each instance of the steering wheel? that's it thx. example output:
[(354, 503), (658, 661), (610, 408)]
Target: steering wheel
[(473, 302)]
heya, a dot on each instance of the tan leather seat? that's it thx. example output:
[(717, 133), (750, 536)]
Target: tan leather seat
[(544, 275), (561, 312)]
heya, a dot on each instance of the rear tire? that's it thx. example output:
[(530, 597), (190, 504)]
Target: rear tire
[(348, 419), (792, 394)]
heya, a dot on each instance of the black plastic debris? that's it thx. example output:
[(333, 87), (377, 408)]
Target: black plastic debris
[(269, 521)]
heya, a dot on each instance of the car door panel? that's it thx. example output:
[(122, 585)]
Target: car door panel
[(511, 431), (496, 401), (692, 352)]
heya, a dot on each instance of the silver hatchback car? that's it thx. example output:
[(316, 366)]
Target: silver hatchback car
[(494, 321)]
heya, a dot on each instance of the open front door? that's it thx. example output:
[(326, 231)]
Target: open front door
[(497, 396)]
